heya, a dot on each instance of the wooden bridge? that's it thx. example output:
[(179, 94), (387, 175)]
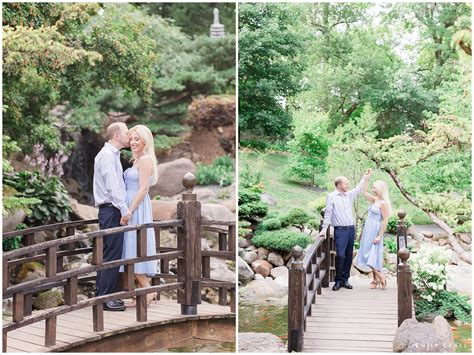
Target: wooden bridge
[(84, 326), (357, 320)]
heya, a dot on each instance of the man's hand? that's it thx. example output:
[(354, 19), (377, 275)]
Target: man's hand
[(323, 232), (124, 220)]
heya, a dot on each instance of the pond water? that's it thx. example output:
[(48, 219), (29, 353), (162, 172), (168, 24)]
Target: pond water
[(201, 346), (273, 319)]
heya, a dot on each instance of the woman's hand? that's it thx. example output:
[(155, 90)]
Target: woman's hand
[(377, 240)]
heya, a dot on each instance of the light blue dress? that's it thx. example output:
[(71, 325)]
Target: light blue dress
[(143, 214), (371, 254)]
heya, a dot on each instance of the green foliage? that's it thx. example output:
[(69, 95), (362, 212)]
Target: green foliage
[(318, 205), (297, 217), (281, 240), (448, 304), (253, 211), (269, 67), (393, 224), (390, 245), (270, 224), (220, 172), (54, 206), (14, 242), (244, 228)]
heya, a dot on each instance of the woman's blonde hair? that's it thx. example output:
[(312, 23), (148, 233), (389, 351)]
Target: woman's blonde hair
[(149, 149), (382, 190)]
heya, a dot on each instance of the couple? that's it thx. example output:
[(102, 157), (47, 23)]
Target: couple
[(123, 199), (339, 214)]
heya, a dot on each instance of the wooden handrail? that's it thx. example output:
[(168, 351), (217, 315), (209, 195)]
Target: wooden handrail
[(404, 279), (307, 276), (49, 227)]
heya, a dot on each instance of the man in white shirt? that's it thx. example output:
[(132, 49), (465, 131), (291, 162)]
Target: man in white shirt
[(109, 195), (339, 213)]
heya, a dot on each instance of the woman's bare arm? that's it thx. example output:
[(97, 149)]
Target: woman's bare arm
[(385, 216), (145, 170)]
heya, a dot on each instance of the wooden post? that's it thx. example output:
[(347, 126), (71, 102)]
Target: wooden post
[(401, 233), (28, 303), (326, 264), (206, 267), (232, 299), (98, 251), (296, 285), (50, 331), (18, 306), (51, 259), (5, 274), (98, 317), (141, 252), (29, 239), (222, 241), (4, 343), (155, 281), (51, 270), (405, 287), (70, 291), (189, 240)]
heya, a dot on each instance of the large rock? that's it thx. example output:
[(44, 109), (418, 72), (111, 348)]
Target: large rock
[(249, 257), (216, 212), (170, 177), (11, 220), (275, 259), (220, 270), (281, 271), (262, 267), (29, 272), (391, 259), (459, 278), (163, 210), (83, 211), (260, 343), (245, 272), (465, 238), (48, 299), (243, 243), (416, 337), (269, 200), (263, 253), (261, 291)]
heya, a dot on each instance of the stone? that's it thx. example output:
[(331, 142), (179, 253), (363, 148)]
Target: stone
[(466, 247), (170, 177), (216, 212), (275, 259), (280, 271), (465, 238), (249, 257), (261, 291), (44, 236), (220, 270), (260, 343), (84, 212), (11, 220), (246, 273), (459, 278), (442, 242), (204, 193), (262, 267), (258, 277), (287, 256), (416, 337), (269, 200), (263, 253), (243, 243), (438, 236), (29, 272), (391, 259), (163, 210), (454, 258), (48, 299), (426, 233)]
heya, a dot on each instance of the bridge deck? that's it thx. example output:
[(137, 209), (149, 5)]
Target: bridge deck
[(360, 319), (76, 327)]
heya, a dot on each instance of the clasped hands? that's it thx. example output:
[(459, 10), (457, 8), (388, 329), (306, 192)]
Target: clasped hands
[(124, 220)]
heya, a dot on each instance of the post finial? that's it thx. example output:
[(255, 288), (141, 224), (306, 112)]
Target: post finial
[(323, 211), (403, 254), (216, 16), (401, 214), (189, 181), (297, 252)]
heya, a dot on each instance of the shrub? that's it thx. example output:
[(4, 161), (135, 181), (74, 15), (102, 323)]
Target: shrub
[(281, 240), (253, 211), (54, 206), (248, 196), (297, 217), (448, 304), (221, 172), (393, 224), (244, 228), (270, 224), (318, 205), (14, 242), (390, 244)]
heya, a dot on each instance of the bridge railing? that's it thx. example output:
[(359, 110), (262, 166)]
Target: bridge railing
[(307, 276), (193, 271), (404, 280)]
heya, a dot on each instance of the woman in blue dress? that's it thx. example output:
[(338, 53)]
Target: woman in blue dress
[(138, 180), (371, 243)]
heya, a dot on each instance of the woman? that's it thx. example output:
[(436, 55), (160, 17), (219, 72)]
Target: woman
[(138, 180), (371, 244)]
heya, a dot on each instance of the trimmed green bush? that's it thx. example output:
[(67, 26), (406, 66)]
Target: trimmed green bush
[(393, 223), (281, 240), (270, 224), (221, 172), (297, 217), (253, 211)]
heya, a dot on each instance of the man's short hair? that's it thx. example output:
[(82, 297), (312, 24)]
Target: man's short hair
[(339, 180), (113, 129)]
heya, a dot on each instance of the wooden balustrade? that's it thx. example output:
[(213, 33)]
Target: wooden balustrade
[(193, 266), (404, 280), (307, 276)]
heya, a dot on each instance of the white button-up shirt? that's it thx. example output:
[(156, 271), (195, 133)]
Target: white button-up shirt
[(339, 207), (109, 186)]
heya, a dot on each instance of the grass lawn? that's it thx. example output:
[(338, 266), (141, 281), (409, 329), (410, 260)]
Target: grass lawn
[(290, 194)]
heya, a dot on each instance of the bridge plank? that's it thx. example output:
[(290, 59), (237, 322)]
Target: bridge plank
[(357, 320)]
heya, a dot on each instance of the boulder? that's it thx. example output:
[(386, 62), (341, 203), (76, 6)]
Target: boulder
[(465, 246), (243, 243), (48, 299), (442, 242), (11, 220), (170, 177), (260, 343), (220, 270), (263, 253), (275, 259), (269, 200), (258, 277), (261, 291), (30, 271), (281, 271), (216, 212), (163, 210), (459, 278), (204, 193), (438, 236), (249, 257), (84, 212), (427, 233), (245, 271), (465, 238), (262, 267), (416, 337)]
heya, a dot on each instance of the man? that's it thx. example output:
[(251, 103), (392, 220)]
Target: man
[(109, 195), (339, 214)]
